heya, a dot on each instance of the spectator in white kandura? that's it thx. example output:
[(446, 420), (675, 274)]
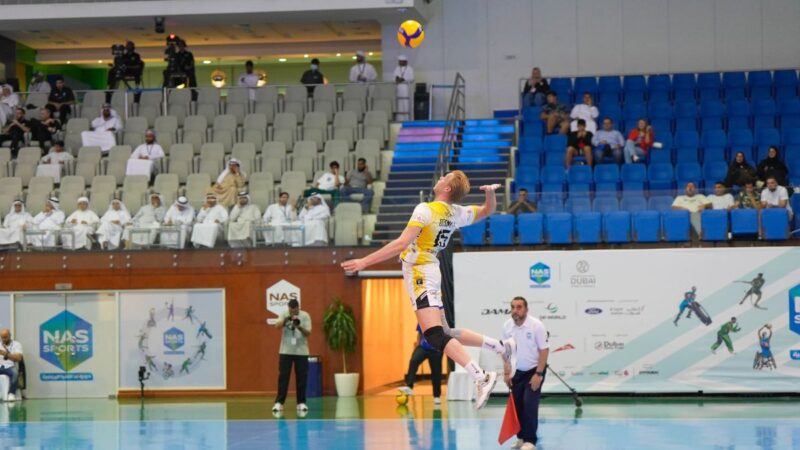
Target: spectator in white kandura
[(58, 156), (362, 71), (180, 216), (10, 357), (149, 216), (694, 203), (229, 182), (110, 231), (14, 224), (210, 222), (150, 150), (278, 215), (49, 220), (241, 221), (83, 223), (249, 79), (357, 182), (586, 111), (776, 196), (404, 77), (721, 199), (608, 142), (104, 129), (315, 219), (9, 101), (39, 84)]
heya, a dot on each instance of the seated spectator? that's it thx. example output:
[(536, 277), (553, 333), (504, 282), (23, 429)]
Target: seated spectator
[(61, 100), (586, 111), (104, 129), (775, 196), (249, 79), (579, 142), (608, 142), (9, 102), (277, 216), (229, 183), (694, 203), (749, 197), (110, 231), (49, 220), (14, 224), (11, 353), (39, 85), (721, 199), (209, 223), (149, 216), (739, 171), (150, 150), (522, 205), (315, 220), (82, 223), (241, 221), (536, 89), (640, 139), (15, 131), (328, 183), (312, 77), (43, 129), (772, 166), (56, 162), (356, 182), (181, 216), (555, 114)]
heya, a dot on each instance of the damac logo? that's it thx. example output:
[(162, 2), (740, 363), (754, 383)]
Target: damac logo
[(65, 341)]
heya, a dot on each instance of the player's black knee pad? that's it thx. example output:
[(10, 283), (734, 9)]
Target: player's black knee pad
[(437, 338)]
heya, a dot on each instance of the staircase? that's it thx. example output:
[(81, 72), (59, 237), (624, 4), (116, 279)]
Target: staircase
[(481, 148)]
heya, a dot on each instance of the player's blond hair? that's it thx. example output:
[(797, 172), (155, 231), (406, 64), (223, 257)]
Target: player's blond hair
[(459, 186)]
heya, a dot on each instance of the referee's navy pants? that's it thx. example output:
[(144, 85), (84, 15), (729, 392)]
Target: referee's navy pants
[(526, 401)]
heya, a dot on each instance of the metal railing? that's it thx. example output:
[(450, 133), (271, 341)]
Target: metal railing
[(456, 112)]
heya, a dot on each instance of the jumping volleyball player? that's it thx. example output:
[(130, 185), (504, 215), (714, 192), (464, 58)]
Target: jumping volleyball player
[(427, 233)]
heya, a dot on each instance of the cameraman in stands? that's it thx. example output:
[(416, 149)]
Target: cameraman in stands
[(127, 65), (296, 327), (180, 65)]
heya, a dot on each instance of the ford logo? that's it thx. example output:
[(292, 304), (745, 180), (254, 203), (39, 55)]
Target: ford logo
[(593, 310)]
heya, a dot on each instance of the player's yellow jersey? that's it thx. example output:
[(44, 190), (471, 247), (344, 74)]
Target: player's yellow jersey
[(438, 221)]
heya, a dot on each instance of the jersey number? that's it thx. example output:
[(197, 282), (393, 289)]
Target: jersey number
[(442, 238)]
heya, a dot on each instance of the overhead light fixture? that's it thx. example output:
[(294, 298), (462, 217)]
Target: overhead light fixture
[(353, 57), (370, 53), (281, 59), (206, 61), (305, 56), (99, 61), (69, 62), (159, 24), (218, 78), (338, 54)]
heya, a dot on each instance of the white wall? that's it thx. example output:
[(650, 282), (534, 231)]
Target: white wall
[(493, 43)]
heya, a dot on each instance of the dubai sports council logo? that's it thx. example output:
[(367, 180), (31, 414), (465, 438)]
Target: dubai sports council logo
[(65, 341), (540, 274)]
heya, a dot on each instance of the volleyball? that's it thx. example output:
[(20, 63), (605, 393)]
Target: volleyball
[(401, 399), (410, 34)]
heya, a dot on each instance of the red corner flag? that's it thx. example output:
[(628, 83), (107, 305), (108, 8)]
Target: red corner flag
[(510, 425)]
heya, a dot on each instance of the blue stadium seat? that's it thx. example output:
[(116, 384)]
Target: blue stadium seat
[(501, 229), (734, 84), (579, 179), (676, 226), (713, 154), (791, 136), (606, 178), (588, 227), (553, 159), (528, 179), (759, 83), (794, 201), (578, 204), (683, 87), (633, 203), (583, 85), (562, 87), (714, 138), (634, 88), (531, 228), (661, 177), (793, 163), (556, 143), (660, 110), (684, 139), (553, 179), (764, 113), (738, 114), (529, 161), (688, 171), (659, 83), (712, 115), (531, 114), (714, 171), (558, 228), (766, 137), (714, 225), (686, 155), (660, 155), (708, 80), (633, 177), (789, 113), (631, 113), (551, 204), (605, 204), (617, 227), (474, 234), (740, 139), (744, 223), (785, 83), (647, 226), (611, 110), (661, 127), (610, 88), (686, 114), (775, 224), (660, 203)]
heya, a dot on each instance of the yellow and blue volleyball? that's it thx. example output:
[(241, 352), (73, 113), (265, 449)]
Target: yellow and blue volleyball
[(410, 34), (401, 399)]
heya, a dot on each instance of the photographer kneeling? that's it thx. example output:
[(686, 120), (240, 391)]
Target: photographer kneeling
[(296, 327)]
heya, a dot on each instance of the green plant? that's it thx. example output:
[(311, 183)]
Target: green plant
[(339, 326)]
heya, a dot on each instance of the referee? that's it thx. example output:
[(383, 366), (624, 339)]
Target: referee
[(533, 348)]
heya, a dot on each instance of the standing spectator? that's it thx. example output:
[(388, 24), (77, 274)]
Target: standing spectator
[(586, 111), (43, 129), (536, 89), (404, 78), (295, 326), (39, 85), (579, 142), (739, 171), (362, 71), (61, 100), (775, 196), (721, 199), (312, 77), (15, 131), (11, 353), (694, 203), (9, 101), (772, 166), (608, 142), (356, 182), (249, 79), (423, 351), (640, 139), (522, 205), (749, 197), (555, 114)]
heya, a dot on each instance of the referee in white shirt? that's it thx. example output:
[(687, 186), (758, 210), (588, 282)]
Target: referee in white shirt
[(533, 348)]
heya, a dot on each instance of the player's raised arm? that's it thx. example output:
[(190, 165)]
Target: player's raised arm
[(490, 204), (388, 251)]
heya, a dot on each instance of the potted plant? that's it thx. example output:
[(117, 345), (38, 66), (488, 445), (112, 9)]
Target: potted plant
[(339, 326)]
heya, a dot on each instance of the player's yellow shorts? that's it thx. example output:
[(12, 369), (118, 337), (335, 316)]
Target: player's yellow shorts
[(423, 283)]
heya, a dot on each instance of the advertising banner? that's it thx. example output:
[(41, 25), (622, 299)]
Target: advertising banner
[(662, 320), (5, 311)]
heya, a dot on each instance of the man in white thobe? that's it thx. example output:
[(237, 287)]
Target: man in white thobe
[(82, 223), (279, 215), (52, 218), (209, 223), (54, 163), (109, 233), (586, 111), (315, 220), (149, 216), (249, 79), (14, 224), (404, 77), (181, 217), (362, 71), (39, 84), (150, 150), (104, 129), (241, 221), (9, 101)]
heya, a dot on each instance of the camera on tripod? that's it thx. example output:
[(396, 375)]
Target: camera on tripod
[(180, 65), (127, 65)]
